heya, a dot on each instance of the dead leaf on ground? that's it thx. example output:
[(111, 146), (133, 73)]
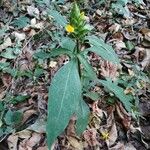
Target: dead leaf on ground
[(90, 137), (7, 42), (75, 143), (109, 70), (12, 142)]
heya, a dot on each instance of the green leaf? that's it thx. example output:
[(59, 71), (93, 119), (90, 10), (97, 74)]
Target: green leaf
[(120, 9), (19, 99), (102, 49), (68, 43), (13, 118), (61, 51), (138, 1), (42, 55), (1, 106), (64, 96), (9, 53), (119, 93), (4, 65), (21, 22), (83, 116), (129, 45), (87, 66), (92, 95), (58, 18)]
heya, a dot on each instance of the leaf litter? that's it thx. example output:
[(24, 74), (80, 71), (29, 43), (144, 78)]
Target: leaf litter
[(25, 31)]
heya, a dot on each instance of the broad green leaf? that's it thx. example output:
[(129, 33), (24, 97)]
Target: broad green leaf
[(102, 49), (58, 18), (138, 1), (13, 118), (92, 95), (42, 55), (82, 116), (4, 65), (9, 53), (64, 96), (121, 9), (129, 45), (1, 106), (21, 22), (19, 99), (119, 93), (68, 43), (89, 70), (60, 51)]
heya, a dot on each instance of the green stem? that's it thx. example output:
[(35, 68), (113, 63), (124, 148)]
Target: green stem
[(78, 50)]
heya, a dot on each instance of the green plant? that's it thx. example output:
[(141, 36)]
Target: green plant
[(71, 82), (120, 6)]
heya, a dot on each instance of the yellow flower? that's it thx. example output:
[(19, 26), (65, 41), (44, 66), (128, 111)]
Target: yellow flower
[(105, 135), (82, 15), (69, 28)]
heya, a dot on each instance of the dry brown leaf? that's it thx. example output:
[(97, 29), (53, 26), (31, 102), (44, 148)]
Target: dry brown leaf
[(71, 126), (146, 60), (7, 43), (109, 70), (129, 146), (52, 64), (90, 137), (12, 142), (24, 134), (115, 27), (123, 115), (42, 148), (27, 114), (32, 11), (35, 139), (6, 78), (113, 135), (75, 143), (96, 110), (118, 146), (19, 36), (119, 45)]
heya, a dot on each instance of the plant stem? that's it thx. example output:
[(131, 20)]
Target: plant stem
[(78, 50)]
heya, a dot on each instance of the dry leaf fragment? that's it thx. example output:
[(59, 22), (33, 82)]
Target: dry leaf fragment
[(32, 11), (109, 70), (119, 45), (24, 134), (52, 64), (129, 146), (19, 36), (90, 137), (35, 139), (115, 27), (12, 142), (7, 43), (118, 146), (42, 148), (75, 143)]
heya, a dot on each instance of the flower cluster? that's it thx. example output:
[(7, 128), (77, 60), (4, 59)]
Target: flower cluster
[(77, 24)]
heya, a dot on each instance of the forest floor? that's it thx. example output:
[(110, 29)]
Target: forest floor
[(27, 30)]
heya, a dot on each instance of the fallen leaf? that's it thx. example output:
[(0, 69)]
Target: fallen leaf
[(35, 139), (7, 43), (32, 11), (109, 70), (19, 36), (75, 143), (12, 142)]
